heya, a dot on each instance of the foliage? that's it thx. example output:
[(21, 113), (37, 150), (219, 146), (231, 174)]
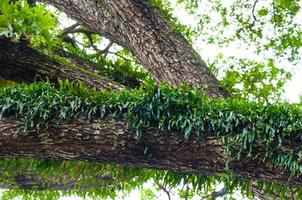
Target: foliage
[(264, 28), (85, 178), (252, 80), (256, 130), (21, 22), (124, 179)]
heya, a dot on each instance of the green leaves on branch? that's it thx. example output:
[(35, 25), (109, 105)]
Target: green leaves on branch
[(252, 80), (268, 132), (291, 6), (19, 21)]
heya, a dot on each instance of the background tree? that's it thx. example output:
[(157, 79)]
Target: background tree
[(237, 131)]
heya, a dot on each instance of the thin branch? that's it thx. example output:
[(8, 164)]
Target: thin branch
[(69, 30), (88, 34), (253, 13), (274, 13), (187, 193), (166, 191), (70, 40), (216, 194), (123, 57), (106, 49), (118, 55)]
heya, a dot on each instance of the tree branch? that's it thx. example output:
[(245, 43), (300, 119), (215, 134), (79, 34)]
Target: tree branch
[(141, 29), (109, 140), (253, 13), (69, 29), (24, 64)]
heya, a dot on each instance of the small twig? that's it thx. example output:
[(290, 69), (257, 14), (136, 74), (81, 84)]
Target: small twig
[(217, 194), (166, 191), (274, 13), (91, 42), (106, 49), (70, 40), (88, 34), (253, 13), (161, 186), (187, 193), (123, 57), (118, 55)]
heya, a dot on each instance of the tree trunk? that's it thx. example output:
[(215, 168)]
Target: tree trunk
[(109, 140), (140, 28), (25, 65)]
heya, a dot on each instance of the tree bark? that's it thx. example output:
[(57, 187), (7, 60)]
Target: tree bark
[(109, 140), (140, 28), (25, 65)]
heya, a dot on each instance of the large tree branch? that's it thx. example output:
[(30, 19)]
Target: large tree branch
[(109, 140), (24, 64), (139, 27)]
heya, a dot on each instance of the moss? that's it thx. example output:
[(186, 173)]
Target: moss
[(66, 63), (5, 83)]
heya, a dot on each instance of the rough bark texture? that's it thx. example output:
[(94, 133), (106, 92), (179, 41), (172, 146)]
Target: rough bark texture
[(109, 140), (139, 27), (24, 64)]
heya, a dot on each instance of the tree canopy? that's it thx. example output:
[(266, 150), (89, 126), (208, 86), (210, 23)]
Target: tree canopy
[(99, 98)]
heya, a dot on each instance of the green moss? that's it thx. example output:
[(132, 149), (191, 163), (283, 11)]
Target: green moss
[(66, 63), (5, 83)]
